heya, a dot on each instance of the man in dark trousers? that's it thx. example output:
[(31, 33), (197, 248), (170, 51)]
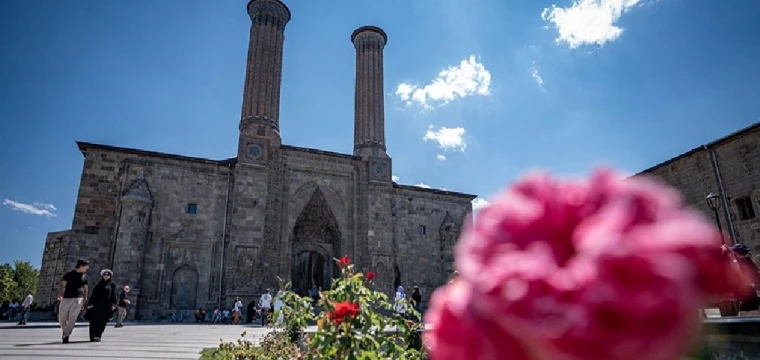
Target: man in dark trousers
[(123, 307), (71, 294)]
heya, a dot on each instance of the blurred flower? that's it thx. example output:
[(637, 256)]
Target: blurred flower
[(603, 269), (370, 275)]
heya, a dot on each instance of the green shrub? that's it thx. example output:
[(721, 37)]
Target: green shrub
[(274, 345), (356, 322)]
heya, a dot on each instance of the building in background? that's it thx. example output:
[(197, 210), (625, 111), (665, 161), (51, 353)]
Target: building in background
[(188, 232), (729, 168)]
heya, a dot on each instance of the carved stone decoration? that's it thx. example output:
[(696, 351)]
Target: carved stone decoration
[(315, 241), (382, 269), (243, 279), (380, 168), (448, 232)]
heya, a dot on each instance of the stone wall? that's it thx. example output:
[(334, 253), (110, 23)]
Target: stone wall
[(427, 224), (53, 267), (132, 215), (177, 243), (738, 159)]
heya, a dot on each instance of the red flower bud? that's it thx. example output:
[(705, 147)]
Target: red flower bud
[(344, 261)]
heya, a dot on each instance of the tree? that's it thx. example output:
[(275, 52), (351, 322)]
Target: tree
[(18, 280), (7, 286)]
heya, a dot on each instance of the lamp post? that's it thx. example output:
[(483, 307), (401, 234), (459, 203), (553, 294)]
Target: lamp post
[(713, 202)]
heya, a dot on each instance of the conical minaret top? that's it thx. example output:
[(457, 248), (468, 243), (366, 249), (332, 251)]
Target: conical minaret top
[(263, 75)]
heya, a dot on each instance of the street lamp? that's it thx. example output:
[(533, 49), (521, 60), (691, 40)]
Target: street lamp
[(713, 202)]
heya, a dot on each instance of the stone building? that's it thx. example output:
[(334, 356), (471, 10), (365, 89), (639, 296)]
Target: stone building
[(728, 167), (189, 232)]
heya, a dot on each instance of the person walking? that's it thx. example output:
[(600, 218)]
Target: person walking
[(123, 307), (236, 311), (266, 305), (400, 298), (102, 305), (417, 299), (71, 292), (25, 309)]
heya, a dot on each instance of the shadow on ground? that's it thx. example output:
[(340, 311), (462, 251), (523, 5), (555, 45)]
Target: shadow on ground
[(50, 343)]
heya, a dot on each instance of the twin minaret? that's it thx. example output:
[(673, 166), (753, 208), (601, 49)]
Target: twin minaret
[(261, 95)]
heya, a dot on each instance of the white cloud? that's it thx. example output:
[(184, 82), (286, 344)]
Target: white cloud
[(479, 203), (588, 21), (422, 185), (440, 157), (34, 209), (395, 178), (467, 79), (536, 76), (447, 138)]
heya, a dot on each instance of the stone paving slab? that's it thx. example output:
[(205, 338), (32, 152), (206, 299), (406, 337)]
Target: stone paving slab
[(133, 341)]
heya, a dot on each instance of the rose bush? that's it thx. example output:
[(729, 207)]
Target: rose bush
[(604, 269), (355, 322)]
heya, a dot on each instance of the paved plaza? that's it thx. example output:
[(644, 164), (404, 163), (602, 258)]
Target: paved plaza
[(133, 341)]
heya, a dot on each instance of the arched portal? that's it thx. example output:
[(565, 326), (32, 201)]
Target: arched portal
[(316, 241), (310, 268), (184, 288)]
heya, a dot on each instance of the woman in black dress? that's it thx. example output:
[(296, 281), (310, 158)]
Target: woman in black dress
[(101, 306)]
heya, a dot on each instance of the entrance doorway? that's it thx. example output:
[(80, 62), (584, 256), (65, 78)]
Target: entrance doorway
[(309, 268)]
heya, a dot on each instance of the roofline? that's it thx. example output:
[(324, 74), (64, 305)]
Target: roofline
[(84, 146), (714, 143), (321, 152), (435, 191)]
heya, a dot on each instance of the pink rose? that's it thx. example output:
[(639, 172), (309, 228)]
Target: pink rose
[(604, 269)]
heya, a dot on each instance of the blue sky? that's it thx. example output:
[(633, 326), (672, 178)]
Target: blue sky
[(626, 82)]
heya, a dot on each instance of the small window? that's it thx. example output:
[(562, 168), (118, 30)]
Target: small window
[(746, 210), (422, 229), (192, 208)]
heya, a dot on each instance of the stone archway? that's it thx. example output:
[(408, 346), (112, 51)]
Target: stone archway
[(309, 269), (184, 291), (316, 240)]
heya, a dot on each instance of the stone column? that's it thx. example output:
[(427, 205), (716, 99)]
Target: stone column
[(369, 113), (263, 75), (129, 252)]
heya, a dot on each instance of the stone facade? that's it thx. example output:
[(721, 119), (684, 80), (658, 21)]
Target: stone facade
[(54, 263), (189, 232), (730, 168)]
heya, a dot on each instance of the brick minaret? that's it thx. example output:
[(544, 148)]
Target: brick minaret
[(260, 117), (369, 113)]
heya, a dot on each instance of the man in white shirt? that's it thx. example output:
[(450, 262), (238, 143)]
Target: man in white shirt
[(25, 306), (266, 306)]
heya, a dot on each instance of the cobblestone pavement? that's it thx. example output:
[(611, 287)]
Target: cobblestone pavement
[(133, 341)]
